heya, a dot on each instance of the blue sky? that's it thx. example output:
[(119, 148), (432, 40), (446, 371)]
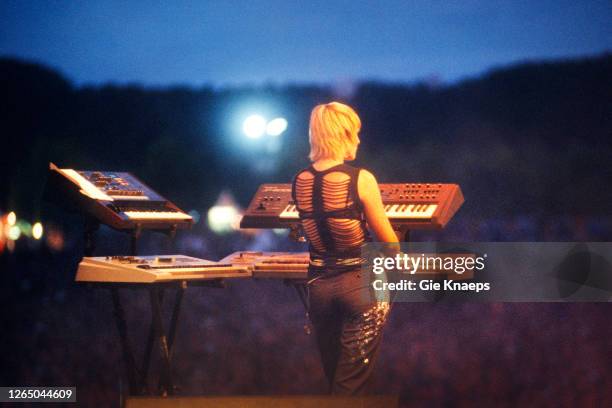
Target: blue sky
[(253, 42)]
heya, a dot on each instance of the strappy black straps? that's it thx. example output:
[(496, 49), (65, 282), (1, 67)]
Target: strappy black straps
[(351, 211), (331, 213)]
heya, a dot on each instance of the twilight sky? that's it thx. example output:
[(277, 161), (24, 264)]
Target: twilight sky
[(238, 42)]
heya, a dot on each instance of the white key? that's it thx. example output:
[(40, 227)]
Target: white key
[(154, 215), (290, 212), (420, 211)]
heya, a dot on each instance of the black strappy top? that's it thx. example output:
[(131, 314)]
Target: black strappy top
[(332, 217)]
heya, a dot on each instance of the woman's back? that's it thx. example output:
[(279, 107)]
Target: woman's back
[(332, 216), (334, 204)]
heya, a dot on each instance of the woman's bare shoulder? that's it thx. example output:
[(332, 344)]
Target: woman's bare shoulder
[(367, 184), (304, 174), (367, 179)]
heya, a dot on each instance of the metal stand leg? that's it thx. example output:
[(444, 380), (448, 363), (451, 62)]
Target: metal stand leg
[(166, 372), (138, 383), (139, 380), (134, 240), (171, 238), (146, 359), (178, 300), (91, 226), (173, 324), (134, 379)]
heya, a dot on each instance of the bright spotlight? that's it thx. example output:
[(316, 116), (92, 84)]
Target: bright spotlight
[(11, 218), (276, 126), (37, 230), (254, 126), (222, 218)]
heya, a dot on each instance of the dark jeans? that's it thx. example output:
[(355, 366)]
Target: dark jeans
[(348, 325)]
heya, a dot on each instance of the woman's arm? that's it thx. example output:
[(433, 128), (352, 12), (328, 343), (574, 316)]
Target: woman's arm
[(369, 193)]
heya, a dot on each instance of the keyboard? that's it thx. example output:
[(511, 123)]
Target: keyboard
[(117, 199), (410, 205), (155, 268), (157, 215), (280, 265), (393, 211)]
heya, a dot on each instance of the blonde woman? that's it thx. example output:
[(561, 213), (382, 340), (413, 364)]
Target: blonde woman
[(335, 201)]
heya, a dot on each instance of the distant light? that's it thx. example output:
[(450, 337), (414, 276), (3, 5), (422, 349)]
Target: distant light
[(2, 239), (222, 218), (37, 231), (254, 126), (11, 218), (55, 239), (14, 233), (276, 126)]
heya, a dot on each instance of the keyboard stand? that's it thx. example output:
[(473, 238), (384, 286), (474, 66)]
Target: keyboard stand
[(138, 383), (138, 378)]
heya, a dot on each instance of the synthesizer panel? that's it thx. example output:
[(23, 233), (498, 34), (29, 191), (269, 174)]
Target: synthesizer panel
[(118, 199), (410, 205), (284, 265), (155, 268)]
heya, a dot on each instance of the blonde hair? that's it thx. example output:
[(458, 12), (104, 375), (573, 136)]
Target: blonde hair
[(333, 131)]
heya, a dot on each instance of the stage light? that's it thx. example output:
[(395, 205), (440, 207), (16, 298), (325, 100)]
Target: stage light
[(55, 239), (222, 218), (276, 126), (37, 230), (254, 126), (14, 233), (2, 238), (11, 219)]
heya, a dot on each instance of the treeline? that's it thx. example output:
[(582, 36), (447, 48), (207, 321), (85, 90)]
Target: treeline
[(534, 137)]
